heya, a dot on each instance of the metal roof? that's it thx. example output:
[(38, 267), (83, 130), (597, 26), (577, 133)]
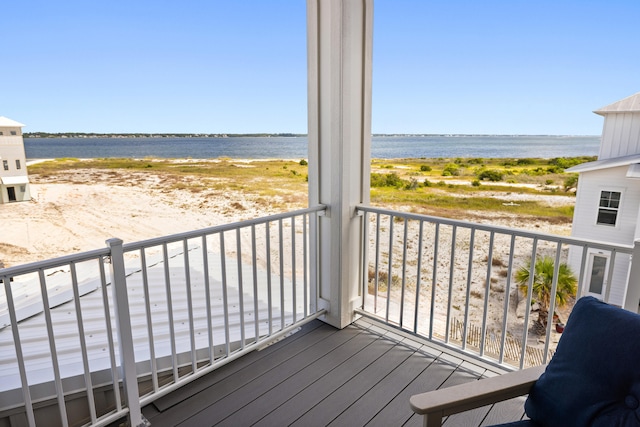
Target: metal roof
[(606, 163), (626, 105), (13, 180), (8, 123), (36, 344)]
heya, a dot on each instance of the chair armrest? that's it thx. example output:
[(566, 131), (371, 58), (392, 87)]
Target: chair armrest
[(439, 403)]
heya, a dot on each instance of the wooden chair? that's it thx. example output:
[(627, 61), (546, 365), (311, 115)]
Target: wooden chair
[(593, 379)]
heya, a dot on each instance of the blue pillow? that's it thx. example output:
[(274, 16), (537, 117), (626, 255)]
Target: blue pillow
[(594, 377)]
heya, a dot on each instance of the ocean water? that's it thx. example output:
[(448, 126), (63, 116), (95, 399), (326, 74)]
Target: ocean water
[(389, 147)]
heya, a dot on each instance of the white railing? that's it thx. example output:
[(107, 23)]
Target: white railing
[(453, 282), (102, 333)]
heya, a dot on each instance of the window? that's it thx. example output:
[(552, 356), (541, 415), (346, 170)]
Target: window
[(1, 133), (17, 163), (609, 205), (5, 164), (13, 132)]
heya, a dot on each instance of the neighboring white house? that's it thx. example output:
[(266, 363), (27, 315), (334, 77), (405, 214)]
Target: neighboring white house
[(14, 181), (608, 199)]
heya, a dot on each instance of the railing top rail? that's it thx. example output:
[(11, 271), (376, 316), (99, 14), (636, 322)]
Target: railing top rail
[(218, 228), (500, 229), (96, 253), (52, 263)]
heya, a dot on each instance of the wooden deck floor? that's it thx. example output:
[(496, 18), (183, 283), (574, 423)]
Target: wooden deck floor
[(361, 375)]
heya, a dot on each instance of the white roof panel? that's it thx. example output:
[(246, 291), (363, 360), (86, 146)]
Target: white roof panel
[(13, 180), (8, 123), (626, 105), (606, 163)]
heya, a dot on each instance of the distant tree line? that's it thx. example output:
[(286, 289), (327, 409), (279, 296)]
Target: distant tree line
[(153, 135)]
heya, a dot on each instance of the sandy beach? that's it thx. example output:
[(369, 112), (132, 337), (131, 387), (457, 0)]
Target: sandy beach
[(80, 209)]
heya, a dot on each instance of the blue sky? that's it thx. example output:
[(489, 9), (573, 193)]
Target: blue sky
[(489, 67)]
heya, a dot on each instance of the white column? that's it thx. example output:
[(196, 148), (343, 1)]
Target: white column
[(632, 295), (340, 38)]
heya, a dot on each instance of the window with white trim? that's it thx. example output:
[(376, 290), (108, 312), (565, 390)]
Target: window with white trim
[(608, 208), (5, 165), (17, 163)]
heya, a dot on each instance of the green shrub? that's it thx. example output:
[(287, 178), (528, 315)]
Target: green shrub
[(451, 169), (490, 175), (387, 180), (411, 185), (475, 183), (571, 182), (523, 162), (425, 168), (303, 162)]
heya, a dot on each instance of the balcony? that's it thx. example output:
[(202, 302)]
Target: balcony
[(221, 324), (334, 314)]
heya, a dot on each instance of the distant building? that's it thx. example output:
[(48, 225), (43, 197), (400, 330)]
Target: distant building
[(608, 200), (14, 181)]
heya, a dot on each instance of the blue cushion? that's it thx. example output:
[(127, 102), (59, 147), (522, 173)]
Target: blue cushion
[(594, 377)]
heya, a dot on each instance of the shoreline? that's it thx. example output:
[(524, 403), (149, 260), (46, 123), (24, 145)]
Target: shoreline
[(77, 210)]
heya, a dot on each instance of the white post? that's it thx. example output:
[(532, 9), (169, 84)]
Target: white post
[(125, 337), (339, 50), (632, 297)]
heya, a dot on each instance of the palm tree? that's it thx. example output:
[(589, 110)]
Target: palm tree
[(542, 282)]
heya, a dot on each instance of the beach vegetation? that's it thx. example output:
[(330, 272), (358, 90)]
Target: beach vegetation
[(571, 182), (490, 175), (451, 169), (420, 185), (542, 283)]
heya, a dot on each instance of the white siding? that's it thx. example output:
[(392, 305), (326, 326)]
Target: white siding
[(587, 200), (620, 135)]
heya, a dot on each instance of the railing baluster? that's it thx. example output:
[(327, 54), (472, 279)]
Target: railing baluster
[(172, 334), (583, 266), (305, 261), (293, 267), (112, 354), (552, 304), (62, 407), (254, 262), (240, 288), (147, 309), (376, 267), (83, 343), (451, 277), (269, 291), (17, 343), (418, 277), (404, 271), (207, 296), (434, 279), (465, 328), (612, 262), (487, 289), (507, 292), (390, 267), (187, 276), (225, 295), (281, 262), (529, 297)]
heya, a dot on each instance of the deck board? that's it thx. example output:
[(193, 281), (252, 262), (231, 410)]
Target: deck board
[(323, 376)]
